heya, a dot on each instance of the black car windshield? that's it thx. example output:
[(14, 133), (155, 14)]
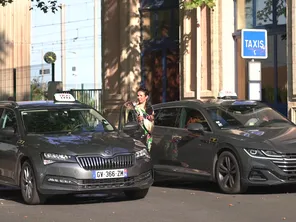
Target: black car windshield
[(64, 120), (246, 115)]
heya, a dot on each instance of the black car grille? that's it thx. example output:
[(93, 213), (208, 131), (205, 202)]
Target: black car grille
[(101, 163), (287, 163)]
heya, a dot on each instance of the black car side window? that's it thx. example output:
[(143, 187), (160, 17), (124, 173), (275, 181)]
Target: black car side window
[(168, 117), (128, 115), (1, 117), (9, 120), (195, 116)]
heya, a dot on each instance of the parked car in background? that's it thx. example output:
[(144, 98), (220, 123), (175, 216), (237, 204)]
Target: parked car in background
[(236, 143)]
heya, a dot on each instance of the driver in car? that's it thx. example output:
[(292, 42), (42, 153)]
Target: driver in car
[(194, 118)]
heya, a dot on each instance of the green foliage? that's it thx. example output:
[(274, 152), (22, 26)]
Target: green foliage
[(192, 4), (37, 90), (85, 96), (51, 5)]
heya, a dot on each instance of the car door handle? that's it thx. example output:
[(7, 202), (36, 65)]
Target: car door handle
[(176, 138), (20, 142)]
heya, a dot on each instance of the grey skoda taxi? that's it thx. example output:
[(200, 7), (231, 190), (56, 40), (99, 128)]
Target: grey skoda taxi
[(234, 143), (64, 147)]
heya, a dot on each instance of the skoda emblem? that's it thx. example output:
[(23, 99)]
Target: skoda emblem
[(108, 152)]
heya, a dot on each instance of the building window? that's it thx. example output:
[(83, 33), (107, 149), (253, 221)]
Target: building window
[(160, 24), (160, 49), (260, 13), (263, 11), (269, 15), (267, 73), (281, 12)]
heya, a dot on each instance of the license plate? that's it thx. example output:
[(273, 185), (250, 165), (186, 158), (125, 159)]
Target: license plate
[(105, 174)]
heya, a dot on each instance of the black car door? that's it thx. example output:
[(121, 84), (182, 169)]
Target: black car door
[(9, 143), (195, 150), (129, 115), (166, 127)]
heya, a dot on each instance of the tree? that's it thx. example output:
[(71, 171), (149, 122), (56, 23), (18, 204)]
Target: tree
[(37, 89), (51, 5), (192, 4)]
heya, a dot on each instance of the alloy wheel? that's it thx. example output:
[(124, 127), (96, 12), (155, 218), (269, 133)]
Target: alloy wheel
[(228, 174), (28, 183), (29, 189)]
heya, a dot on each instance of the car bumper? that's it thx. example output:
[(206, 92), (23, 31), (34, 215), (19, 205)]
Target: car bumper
[(261, 172), (65, 178)]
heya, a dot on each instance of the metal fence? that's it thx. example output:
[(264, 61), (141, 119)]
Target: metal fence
[(91, 97), (31, 83), (24, 83)]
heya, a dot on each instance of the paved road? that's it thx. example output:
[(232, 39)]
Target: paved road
[(180, 203)]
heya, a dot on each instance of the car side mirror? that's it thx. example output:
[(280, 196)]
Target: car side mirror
[(131, 126), (195, 128), (7, 131)]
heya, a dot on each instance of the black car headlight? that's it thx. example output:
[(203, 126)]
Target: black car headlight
[(142, 154), (264, 154), (49, 158)]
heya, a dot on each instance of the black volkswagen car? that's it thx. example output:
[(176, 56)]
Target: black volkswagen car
[(64, 147), (234, 143)]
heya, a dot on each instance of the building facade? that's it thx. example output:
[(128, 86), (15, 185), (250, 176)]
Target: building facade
[(176, 54), (291, 59), (15, 49), (270, 15)]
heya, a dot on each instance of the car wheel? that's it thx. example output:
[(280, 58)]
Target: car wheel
[(228, 174), (29, 190), (136, 194)]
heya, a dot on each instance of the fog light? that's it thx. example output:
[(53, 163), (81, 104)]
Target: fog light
[(56, 180), (257, 176), (46, 162)]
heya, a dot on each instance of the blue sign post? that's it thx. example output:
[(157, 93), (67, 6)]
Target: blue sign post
[(254, 44)]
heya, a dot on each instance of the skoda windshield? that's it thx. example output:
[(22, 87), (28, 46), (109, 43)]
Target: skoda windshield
[(246, 114), (64, 120)]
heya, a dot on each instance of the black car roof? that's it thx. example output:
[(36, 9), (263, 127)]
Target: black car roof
[(177, 103), (44, 104), (204, 104)]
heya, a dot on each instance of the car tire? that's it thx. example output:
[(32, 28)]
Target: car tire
[(30, 193), (136, 194), (228, 174)]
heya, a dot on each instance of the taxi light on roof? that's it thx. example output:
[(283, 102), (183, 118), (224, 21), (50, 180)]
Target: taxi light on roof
[(64, 97), (227, 94)]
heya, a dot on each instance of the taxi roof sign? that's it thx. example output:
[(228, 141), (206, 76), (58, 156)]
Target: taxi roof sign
[(227, 94), (64, 97)]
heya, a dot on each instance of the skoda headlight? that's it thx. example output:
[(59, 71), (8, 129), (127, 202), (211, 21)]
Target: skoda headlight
[(49, 158), (262, 153), (142, 154)]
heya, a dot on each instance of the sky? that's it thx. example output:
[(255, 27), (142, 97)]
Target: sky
[(79, 42)]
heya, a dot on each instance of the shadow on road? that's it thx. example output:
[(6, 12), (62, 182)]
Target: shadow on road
[(213, 188), (12, 194), (86, 199)]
